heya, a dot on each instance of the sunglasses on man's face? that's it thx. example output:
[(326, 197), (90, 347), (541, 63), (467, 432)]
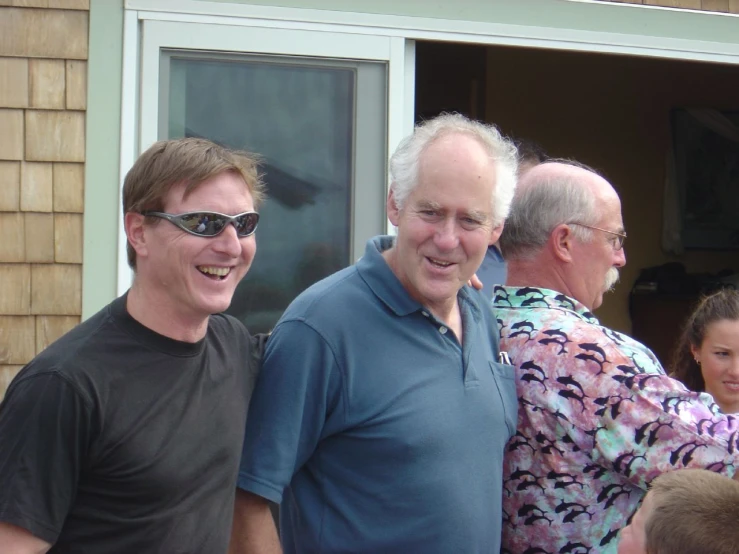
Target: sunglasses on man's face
[(211, 224)]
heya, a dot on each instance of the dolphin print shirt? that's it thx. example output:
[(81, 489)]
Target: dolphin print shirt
[(598, 419)]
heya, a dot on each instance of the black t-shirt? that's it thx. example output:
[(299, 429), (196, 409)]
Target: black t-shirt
[(118, 439)]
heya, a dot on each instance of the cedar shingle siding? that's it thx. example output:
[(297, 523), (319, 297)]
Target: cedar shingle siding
[(43, 97)]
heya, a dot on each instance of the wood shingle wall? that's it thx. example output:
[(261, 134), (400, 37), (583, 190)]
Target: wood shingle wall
[(727, 6), (43, 97)]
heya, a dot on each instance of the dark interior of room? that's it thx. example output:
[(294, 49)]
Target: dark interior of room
[(611, 112)]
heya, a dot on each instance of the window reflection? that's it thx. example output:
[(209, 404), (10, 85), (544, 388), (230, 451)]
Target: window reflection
[(299, 117)]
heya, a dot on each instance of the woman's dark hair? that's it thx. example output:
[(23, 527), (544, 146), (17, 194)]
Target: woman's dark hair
[(718, 306)]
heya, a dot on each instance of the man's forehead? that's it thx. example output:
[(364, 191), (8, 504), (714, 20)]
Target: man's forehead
[(425, 203), (457, 158), (453, 147)]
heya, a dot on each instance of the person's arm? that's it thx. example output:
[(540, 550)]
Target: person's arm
[(254, 530), (625, 411), (258, 344), (44, 432), (296, 403), (16, 540), (650, 424)]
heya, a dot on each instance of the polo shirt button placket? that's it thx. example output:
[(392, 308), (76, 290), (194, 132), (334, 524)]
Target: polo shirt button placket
[(443, 330)]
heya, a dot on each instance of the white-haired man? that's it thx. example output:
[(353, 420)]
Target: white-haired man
[(598, 418), (381, 410)]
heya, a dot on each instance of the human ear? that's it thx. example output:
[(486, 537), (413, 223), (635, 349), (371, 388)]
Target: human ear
[(561, 241), (393, 212), (495, 234), (694, 351), (134, 225)]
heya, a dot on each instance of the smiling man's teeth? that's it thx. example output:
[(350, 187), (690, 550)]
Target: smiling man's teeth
[(439, 262), (219, 271)]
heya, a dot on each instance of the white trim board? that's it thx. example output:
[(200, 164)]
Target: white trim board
[(129, 141)]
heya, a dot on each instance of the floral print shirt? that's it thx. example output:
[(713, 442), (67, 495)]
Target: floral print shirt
[(598, 419)]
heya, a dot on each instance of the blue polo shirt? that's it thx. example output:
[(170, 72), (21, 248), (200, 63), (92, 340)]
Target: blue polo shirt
[(373, 427), (493, 270)]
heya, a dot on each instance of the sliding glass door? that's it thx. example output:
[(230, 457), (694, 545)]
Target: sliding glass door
[(318, 122)]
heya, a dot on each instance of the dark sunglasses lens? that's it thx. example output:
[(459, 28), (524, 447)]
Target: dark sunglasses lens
[(205, 224), (246, 224)]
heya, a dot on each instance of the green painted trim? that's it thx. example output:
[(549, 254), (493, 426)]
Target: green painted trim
[(598, 17), (99, 269)]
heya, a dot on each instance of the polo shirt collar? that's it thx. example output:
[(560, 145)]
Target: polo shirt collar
[(375, 271)]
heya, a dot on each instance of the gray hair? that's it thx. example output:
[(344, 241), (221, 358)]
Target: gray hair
[(405, 161), (542, 205)]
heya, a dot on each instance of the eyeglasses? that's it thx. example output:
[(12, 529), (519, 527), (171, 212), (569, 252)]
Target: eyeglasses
[(211, 224), (619, 237)]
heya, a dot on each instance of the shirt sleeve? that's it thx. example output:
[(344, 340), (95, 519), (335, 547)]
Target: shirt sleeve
[(44, 433), (641, 422), (258, 344), (652, 424), (297, 392)]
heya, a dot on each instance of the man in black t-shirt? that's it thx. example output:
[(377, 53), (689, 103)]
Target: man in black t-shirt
[(125, 434)]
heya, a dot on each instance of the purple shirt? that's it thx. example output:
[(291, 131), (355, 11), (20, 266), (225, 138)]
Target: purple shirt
[(598, 419)]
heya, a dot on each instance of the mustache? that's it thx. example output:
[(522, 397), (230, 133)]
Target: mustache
[(612, 278)]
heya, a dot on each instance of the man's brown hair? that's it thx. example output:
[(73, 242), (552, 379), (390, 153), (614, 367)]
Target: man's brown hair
[(695, 511), (190, 161)]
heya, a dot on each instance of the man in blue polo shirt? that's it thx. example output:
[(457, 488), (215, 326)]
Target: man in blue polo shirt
[(381, 414)]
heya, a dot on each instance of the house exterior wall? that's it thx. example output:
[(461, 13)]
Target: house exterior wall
[(726, 6), (43, 97)]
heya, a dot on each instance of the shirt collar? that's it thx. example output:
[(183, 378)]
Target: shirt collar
[(533, 297), (375, 271)]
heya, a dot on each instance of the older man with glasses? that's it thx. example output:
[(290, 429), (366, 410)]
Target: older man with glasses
[(598, 418), (125, 434)]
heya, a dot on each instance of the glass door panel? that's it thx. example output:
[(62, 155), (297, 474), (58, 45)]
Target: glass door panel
[(318, 126)]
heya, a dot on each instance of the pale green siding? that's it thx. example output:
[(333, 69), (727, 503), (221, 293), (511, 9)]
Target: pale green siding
[(101, 164)]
